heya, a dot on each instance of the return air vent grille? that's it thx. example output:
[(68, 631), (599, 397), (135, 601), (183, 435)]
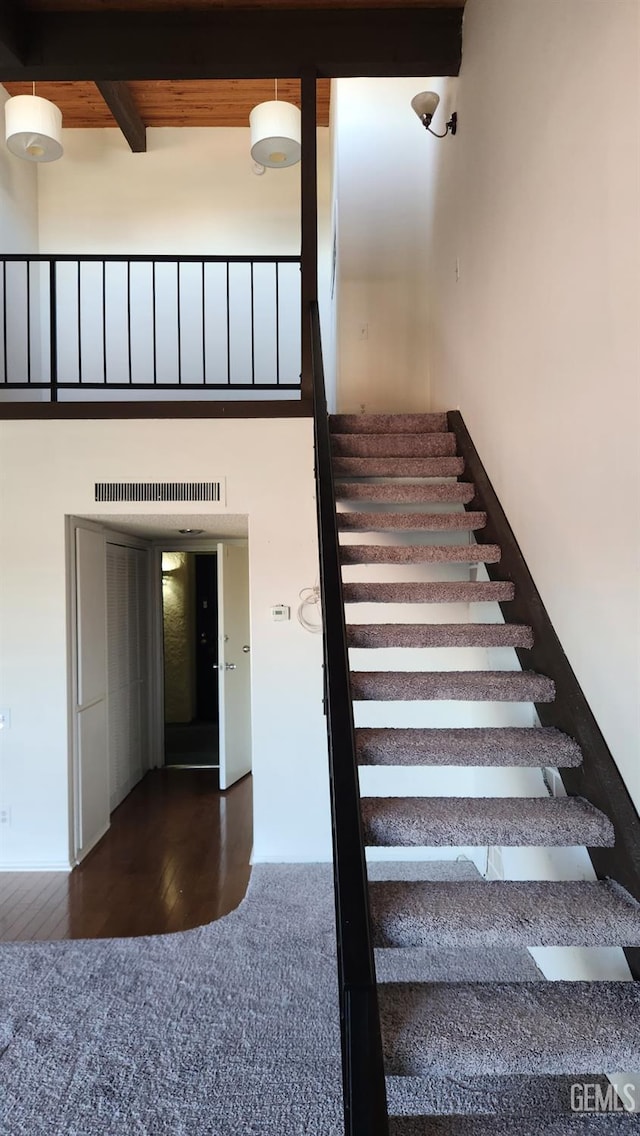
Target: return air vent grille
[(158, 491)]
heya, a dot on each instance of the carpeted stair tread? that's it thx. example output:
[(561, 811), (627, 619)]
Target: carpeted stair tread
[(391, 822), (467, 686), (462, 1029), (430, 522), (488, 745), (387, 423), (448, 466), (495, 1098), (578, 1124), (419, 553), (460, 492), (481, 913), (445, 591), (394, 445), (439, 635)]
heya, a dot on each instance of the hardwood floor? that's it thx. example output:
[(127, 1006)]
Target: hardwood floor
[(176, 856)]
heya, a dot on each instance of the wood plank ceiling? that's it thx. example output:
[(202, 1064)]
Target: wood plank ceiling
[(200, 102)]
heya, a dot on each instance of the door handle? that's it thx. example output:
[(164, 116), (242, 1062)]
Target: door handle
[(229, 666)]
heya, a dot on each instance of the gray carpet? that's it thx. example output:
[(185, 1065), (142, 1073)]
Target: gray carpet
[(477, 913), (495, 1028), (459, 821), (458, 591), (394, 445), (426, 522), (519, 1097), (459, 492), (468, 686), (419, 553), (228, 1030), (388, 423), (398, 467), (439, 635), (489, 745)]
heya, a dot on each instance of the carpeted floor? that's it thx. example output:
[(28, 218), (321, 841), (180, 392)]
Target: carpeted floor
[(228, 1030), (231, 1029)]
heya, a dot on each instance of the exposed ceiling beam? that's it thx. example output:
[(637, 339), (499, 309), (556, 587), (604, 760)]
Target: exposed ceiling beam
[(119, 99), (228, 43), (13, 37)]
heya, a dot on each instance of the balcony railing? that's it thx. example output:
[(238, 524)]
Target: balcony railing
[(85, 327)]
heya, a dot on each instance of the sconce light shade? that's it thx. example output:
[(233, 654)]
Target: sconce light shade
[(33, 128), (425, 104), (275, 134)]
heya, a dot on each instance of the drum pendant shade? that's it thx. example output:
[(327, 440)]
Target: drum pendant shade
[(33, 128), (275, 134)]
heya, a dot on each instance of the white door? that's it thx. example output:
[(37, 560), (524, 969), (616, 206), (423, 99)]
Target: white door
[(234, 679), (90, 709)]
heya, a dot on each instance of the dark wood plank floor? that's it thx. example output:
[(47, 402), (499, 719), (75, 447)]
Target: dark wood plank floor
[(176, 856)]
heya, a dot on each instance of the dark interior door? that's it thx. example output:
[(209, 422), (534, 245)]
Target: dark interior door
[(206, 637)]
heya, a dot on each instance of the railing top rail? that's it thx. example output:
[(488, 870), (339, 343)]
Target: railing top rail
[(144, 258)]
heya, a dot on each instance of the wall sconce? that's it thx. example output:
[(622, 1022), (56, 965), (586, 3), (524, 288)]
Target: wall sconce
[(425, 105)]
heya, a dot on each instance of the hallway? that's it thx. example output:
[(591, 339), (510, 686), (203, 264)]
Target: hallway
[(176, 856)]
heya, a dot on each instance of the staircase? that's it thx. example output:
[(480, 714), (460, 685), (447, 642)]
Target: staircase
[(401, 511)]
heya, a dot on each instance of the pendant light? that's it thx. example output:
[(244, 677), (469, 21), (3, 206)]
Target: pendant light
[(275, 133), (33, 128)]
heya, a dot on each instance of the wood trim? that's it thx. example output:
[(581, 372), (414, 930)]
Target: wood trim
[(12, 411), (309, 226), (247, 43), (598, 778), (119, 99)]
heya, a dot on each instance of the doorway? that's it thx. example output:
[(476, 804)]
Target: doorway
[(206, 665), (190, 638)]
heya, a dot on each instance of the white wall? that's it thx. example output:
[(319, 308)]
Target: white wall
[(537, 198), (193, 192), (47, 470), (382, 163)]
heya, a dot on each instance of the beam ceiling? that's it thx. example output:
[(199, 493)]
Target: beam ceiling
[(231, 43)]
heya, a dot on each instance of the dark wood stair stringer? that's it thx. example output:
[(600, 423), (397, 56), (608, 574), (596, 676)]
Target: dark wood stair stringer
[(598, 778)]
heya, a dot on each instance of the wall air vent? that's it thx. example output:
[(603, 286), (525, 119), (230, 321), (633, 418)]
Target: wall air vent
[(158, 491)]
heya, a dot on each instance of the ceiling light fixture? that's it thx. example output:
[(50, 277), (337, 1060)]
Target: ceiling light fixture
[(191, 532), (425, 104), (33, 128), (275, 133)]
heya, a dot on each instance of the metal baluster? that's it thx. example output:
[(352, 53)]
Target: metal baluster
[(155, 338), (179, 327), (129, 322), (253, 337), (53, 331), (228, 333), (79, 326)]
